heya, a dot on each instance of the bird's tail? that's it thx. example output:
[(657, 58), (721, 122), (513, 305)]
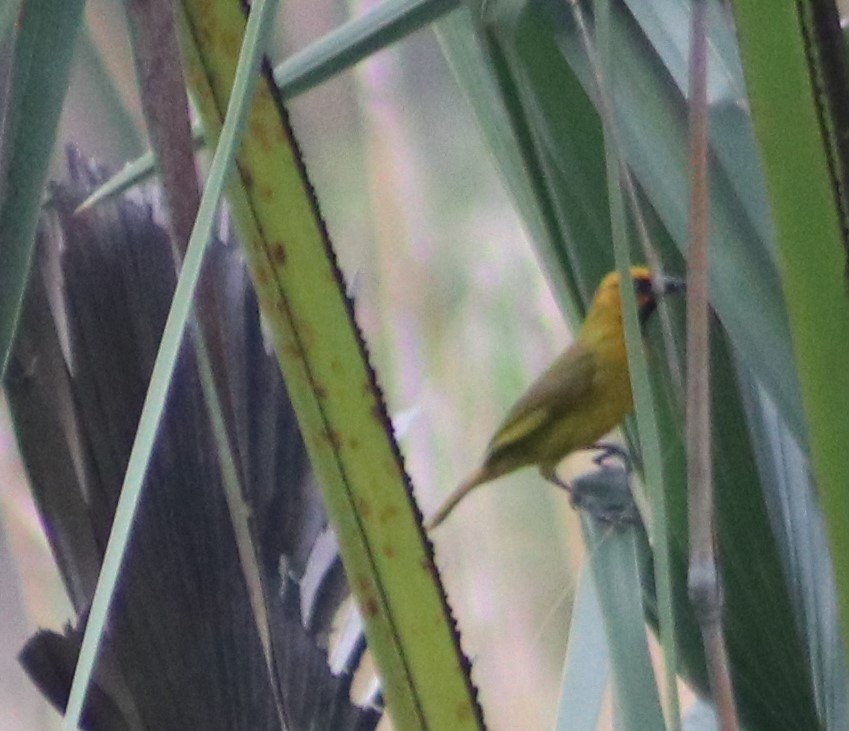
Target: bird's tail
[(476, 478)]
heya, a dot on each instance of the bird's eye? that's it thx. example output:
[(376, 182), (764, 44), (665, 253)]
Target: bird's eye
[(643, 286)]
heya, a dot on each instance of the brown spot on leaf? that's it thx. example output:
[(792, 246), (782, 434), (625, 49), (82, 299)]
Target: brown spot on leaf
[(389, 551), (260, 133), (464, 712), (293, 351), (333, 437), (390, 512), (230, 41), (369, 607), (362, 583), (305, 331), (278, 254)]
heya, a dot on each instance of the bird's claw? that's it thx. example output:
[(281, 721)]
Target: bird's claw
[(608, 450), (552, 477), (615, 510)]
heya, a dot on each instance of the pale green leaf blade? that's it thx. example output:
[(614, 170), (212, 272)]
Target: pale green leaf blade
[(44, 45), (130, 175), (587, 666), (356, 39), (799, 115), (613, 559)]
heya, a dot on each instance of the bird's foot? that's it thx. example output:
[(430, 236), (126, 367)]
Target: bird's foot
[(606, 494), (551, 476), (608, 450)]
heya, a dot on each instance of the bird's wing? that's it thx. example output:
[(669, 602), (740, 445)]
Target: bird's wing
[(561, 388)]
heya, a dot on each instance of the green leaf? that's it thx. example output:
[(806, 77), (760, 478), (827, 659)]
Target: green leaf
[(130, 175), (799, 527), (798, 103), (495, 96), (647, 419), (334, 392), (8, 17), (41, 64), (353, 41), (587, 665), (613, 560)]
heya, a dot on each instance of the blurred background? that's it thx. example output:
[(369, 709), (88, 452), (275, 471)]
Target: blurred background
[(457, 316)]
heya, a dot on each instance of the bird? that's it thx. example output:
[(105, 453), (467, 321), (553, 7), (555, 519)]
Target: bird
[(583, 395)]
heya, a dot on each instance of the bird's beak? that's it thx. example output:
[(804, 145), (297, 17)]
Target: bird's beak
[(673, 285)]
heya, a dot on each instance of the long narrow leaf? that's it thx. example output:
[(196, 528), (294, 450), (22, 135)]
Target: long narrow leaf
[(798, 521), (333, 389), (351, 42), (484, 75), (798, 101), (649, 432), (587, 665), (130, 175), (613, 559), (8, 16), (41, 65)]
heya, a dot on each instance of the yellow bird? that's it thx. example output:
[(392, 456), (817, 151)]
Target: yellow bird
[(584, 394)]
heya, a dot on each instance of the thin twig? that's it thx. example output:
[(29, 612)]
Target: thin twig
[(704, 584)]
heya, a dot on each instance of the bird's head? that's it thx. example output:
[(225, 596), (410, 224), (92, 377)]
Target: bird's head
[(608, 296)]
